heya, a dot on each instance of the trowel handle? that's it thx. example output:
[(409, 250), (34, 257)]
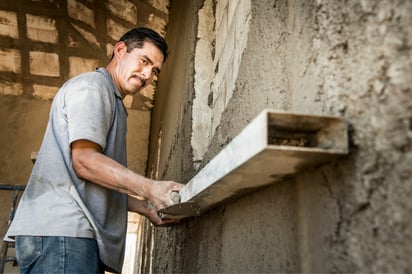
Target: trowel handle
[(175, 196)]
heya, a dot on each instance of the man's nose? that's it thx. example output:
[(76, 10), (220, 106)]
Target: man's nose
[(147, 72)]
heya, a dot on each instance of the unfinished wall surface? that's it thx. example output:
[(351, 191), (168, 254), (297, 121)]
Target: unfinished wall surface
[(217, 62), (350, 59), (170, 153)]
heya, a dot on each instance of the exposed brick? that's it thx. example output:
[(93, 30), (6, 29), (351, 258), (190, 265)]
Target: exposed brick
[(10, 60), (156, 23), (228, 49), (114, 29), (232, 8), (242, 21), (142, 100), (80, 12), (90, 37), (44, 92), (231, 76), (204, 73), (221, 11), (149, 91), (79, 65), (109, 50), (128, 101), (161, 5), (221, 32), (123, 9), (41, 28), (8, 24), (218, 108), (219, 94), (10, 88), (42, 63)]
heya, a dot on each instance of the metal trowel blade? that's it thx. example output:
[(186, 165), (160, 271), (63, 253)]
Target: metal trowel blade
[(180, 211)]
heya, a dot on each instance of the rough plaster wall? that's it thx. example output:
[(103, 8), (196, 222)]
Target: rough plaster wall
[(351, 59), (359, 64), (257, 233), (172, 112), (170, 155), (366, 63), (203, 63), (244, 236)]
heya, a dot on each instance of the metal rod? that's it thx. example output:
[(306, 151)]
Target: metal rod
[(12, 187)]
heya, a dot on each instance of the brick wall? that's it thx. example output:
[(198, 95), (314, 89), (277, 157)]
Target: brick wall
[(222, 38), (44, 43)]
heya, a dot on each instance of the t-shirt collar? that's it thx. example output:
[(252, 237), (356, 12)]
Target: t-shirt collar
[(107, 75)]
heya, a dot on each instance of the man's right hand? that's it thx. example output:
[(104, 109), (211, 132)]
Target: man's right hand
[(160, 194), (145, 208)]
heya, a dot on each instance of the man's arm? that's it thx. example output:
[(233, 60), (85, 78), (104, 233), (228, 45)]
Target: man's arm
[(90, 164)]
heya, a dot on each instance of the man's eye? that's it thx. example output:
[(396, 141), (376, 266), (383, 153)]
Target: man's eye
[(144, 61)]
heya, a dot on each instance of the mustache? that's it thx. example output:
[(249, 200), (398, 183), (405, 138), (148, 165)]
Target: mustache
[(141, 79)]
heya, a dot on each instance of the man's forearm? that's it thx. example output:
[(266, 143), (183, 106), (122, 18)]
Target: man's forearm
[(96, 167), (90, 164)]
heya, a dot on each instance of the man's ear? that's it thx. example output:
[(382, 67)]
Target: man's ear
[(120, 48)]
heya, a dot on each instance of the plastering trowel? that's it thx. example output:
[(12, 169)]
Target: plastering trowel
[(179, 210)]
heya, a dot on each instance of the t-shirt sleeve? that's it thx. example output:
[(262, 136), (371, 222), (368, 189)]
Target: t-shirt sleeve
[(89, 113)]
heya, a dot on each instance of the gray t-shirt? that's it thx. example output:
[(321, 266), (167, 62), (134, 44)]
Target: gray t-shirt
[(58, 203)]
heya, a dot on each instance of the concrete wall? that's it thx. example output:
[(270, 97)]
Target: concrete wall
[(170, 153), (346, 58)]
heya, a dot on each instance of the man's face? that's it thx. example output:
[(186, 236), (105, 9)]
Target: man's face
[(137, 68)]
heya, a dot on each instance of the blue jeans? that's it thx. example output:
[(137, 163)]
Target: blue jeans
[(57, 255)]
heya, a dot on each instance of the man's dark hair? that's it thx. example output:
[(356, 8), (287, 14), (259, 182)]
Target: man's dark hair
[(136, 37)]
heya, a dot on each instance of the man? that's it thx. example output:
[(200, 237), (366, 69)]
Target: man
[(73, 214)]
